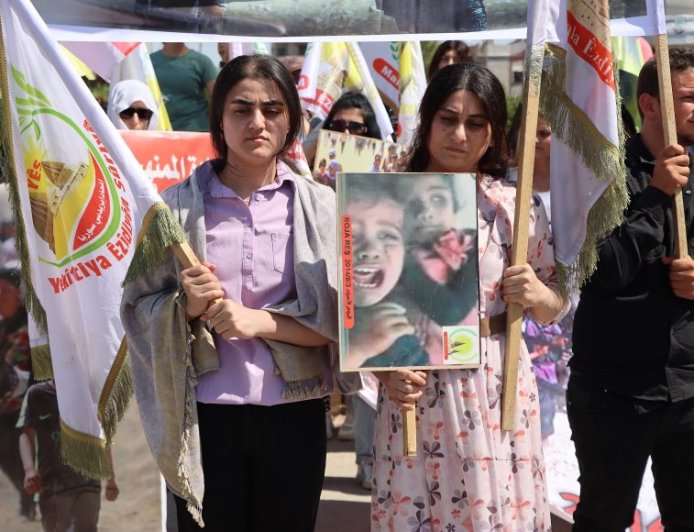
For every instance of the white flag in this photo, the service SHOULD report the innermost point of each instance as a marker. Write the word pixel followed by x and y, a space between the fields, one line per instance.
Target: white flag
pixel 413 83
pixel 383 58
pixel 82 197
pixel 101 57
pixel 571 40
pixel 359 78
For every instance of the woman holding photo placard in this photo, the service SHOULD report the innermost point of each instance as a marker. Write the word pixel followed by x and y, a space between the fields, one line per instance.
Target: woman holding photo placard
pixel 230 357
pixel 468 474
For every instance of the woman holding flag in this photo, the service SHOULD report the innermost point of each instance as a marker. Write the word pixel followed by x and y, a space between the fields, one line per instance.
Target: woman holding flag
pixel 230 357
pixel 468 474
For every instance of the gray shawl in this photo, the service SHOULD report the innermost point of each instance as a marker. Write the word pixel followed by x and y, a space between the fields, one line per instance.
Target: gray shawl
pixel 167 352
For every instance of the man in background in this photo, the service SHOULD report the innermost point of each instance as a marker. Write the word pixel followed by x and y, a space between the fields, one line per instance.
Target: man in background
pixel 68 500
pixel 631 391
pixel 186 79
pixel 15 375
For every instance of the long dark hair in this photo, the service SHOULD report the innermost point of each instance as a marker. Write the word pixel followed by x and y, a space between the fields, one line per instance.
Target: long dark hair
pixel 477 80
pixel 356 100
pixel 462 52
pixel 259 67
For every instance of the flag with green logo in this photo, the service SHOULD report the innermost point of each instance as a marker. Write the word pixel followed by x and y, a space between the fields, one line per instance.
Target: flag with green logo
pixel 81 204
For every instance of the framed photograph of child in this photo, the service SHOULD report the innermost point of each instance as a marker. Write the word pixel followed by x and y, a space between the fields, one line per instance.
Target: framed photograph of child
pixel 408 267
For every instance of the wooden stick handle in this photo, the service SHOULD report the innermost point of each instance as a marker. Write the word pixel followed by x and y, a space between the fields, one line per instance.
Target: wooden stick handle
pixel 185 254
pixel 667 107
pixel 409 433
pixel 519 252
pixel 514 321
pixel 188 258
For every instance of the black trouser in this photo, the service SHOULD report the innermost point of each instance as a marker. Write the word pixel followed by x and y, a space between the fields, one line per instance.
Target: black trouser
pixel 263 466
pixel 614 438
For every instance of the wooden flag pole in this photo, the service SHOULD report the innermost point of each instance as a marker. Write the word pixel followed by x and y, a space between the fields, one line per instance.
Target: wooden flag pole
pixel 667 107
pixel 185 254
pixel 519 253
pixel 409 433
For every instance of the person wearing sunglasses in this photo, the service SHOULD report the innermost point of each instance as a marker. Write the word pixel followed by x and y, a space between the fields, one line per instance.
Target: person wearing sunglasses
pixel 131 106
pixel 352 113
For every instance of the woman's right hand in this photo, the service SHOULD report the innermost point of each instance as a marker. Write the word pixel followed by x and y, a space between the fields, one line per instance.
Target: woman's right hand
pixel 201 287
pixel 404 386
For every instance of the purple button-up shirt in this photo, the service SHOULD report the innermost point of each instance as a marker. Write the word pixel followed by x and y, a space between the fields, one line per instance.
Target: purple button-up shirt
pixel 252 246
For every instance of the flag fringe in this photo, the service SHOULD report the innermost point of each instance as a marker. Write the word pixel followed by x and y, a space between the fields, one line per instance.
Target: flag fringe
pixel 84 453
pixel 159 231
pixel 116 393
pixel 606 214
pixel 41 364
pixel 194 506
pixel 31 300
pixel 571 125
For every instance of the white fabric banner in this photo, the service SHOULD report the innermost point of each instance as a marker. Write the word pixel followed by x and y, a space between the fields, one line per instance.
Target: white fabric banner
pixel 413 83
pixel 322 76
pixel 82 198
pixel 101 57
pixel 359 78
pixel 383 59
pixel 582 30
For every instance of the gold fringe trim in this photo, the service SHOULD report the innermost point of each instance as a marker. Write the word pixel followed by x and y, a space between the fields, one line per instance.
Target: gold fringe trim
pixel 194 506
pixel 31 300
pixel 41 364
pixel 159 231
pixel 533 67
pixel 604 159
pixel 84 453
pixel 115 395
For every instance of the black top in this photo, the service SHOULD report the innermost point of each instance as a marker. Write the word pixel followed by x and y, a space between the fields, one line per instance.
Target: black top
pixel 40 412
pixel 632 335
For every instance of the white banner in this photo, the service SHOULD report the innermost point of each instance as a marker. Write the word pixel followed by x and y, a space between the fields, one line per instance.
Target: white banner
pixel 101 57
pixel 82 197
pixel 383 59
pixel 413 83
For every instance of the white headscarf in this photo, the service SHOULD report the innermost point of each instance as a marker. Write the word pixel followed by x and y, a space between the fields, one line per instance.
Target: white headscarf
pixel 123 94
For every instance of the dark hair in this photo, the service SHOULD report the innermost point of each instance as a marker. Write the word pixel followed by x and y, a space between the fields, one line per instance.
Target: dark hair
pixel 369 189
pixel 680 60
pixel 514 131
pixel 258 67
pixel 513 134
pixel 481 82
pixel 628 123
pixel 403 191
pixel 461 49
pixel 355 100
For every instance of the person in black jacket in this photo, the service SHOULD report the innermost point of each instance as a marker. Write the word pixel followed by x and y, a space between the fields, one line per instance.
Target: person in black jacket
pixel 631 391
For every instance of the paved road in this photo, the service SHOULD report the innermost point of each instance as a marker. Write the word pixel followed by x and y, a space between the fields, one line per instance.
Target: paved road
pixel 344 504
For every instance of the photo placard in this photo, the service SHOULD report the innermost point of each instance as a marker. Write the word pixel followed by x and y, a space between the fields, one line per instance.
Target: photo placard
pixel 409 271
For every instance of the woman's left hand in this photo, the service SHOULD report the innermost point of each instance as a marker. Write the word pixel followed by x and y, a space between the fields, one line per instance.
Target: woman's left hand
pixel 521 285
pixel 231 320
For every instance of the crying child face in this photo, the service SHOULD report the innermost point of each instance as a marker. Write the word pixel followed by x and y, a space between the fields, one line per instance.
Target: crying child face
pixel 378 249
pixel 430 208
